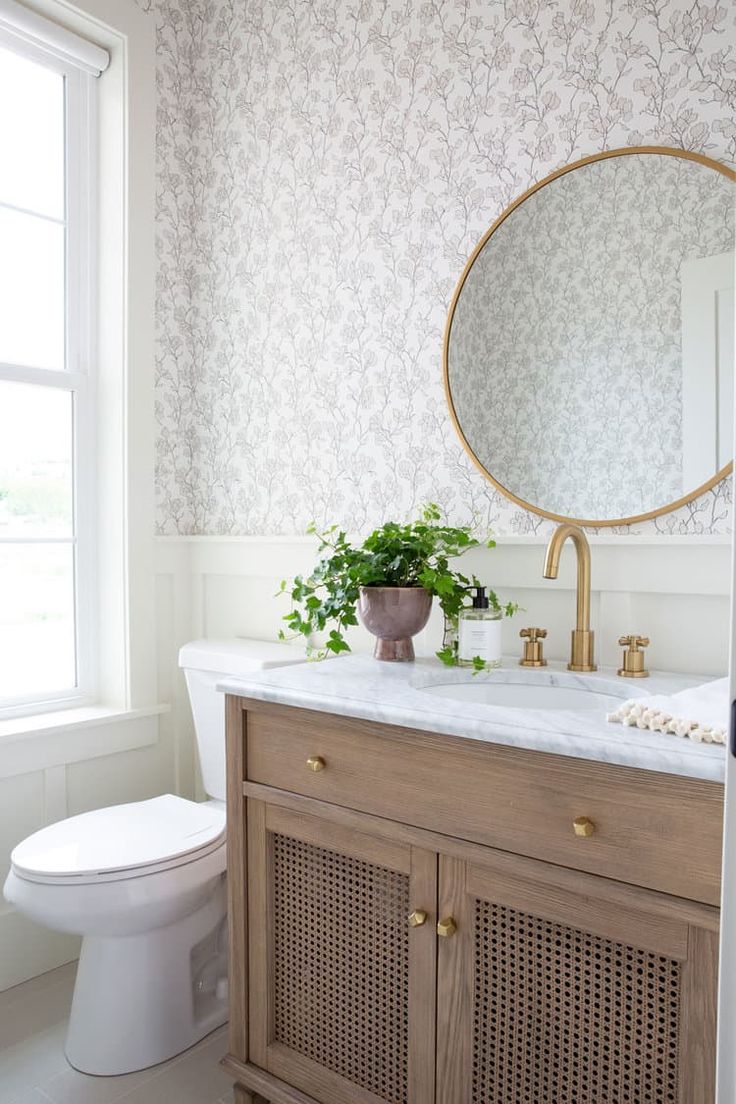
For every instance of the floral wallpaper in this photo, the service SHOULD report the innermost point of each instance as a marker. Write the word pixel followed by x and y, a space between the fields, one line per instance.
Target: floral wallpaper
pixel 324 171
pixel 566 350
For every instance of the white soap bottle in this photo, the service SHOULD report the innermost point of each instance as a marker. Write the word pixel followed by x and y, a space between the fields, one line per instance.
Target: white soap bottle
pixel 479 632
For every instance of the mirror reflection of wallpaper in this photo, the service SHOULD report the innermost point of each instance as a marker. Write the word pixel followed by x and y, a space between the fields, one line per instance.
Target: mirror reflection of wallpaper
pixel 566 347
pixel 324 171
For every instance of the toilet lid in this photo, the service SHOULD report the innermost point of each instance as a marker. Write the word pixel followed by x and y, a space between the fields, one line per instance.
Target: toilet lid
pixel 165 830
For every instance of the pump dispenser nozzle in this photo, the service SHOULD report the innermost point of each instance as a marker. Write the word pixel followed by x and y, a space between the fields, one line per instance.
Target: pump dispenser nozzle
pixel 480 601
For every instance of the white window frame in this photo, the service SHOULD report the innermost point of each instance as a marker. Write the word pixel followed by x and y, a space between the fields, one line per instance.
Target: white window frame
pixel 118 40
pixel 78 376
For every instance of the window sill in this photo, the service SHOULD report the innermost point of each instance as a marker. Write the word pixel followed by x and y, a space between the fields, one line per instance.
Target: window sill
pixel 51 739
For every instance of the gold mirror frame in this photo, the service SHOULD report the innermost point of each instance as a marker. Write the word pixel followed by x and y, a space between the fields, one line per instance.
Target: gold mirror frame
pixel 666 151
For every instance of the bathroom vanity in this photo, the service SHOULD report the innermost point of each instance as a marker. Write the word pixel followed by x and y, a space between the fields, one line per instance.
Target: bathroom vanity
pixel 438 899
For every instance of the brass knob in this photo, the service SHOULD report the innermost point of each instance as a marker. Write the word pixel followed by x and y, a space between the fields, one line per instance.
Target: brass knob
pixel 583 826
pixel 417 918
pixel 446 927
pixel 316 763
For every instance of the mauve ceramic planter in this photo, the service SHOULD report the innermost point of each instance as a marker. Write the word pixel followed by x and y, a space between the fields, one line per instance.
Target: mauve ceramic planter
pixel 394 615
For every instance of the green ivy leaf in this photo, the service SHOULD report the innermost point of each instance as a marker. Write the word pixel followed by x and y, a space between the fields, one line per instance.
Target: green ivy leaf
pixel 336 643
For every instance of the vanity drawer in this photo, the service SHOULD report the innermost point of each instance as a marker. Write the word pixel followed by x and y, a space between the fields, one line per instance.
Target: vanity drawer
pixel 656 830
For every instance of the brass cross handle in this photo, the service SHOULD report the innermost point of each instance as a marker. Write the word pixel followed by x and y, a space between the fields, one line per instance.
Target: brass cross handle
pixel 634 642
pixel 533 634
pixel 533 653
pixel 633 664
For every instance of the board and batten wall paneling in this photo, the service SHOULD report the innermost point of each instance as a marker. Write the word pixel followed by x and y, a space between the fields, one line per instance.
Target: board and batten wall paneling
pixel 83 777
pixel 677 591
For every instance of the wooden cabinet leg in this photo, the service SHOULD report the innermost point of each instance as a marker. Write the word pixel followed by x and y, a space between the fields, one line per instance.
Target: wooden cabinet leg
pixel 242 1096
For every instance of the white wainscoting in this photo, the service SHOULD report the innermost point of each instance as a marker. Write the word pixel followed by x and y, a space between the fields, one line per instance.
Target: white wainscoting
pixel 674 589
pixel 46 778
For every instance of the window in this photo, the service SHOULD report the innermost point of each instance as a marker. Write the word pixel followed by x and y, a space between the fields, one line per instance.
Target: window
pixel 46 376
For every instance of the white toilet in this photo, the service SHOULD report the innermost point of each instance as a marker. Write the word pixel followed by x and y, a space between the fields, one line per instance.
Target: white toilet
pixel 144 884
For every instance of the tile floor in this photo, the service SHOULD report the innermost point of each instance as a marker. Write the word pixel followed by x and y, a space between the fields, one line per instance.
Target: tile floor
pixel 33 1069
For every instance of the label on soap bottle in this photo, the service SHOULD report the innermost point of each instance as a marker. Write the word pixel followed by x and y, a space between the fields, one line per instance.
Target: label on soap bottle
pixel 480 638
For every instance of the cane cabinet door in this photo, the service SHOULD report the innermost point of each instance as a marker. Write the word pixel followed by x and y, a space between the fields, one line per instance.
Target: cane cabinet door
pixel 556 987
pixel 342 959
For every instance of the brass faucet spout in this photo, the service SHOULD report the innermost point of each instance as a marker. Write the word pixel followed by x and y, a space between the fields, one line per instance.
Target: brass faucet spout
pixel 581 658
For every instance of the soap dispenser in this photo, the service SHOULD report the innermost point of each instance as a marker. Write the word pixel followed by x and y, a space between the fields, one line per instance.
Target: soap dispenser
pixel 479 632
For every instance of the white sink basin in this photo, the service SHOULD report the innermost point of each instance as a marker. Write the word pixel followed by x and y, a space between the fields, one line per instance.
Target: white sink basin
pixel 531 690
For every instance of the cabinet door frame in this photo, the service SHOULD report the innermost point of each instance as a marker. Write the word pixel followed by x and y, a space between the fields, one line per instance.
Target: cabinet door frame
pixel 420 865
pixel 650 921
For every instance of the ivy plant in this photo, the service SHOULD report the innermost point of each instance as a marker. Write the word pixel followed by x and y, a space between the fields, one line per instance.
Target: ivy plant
pixel 416 554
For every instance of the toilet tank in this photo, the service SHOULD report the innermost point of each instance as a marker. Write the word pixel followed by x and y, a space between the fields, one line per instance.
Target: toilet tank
pixel 207 662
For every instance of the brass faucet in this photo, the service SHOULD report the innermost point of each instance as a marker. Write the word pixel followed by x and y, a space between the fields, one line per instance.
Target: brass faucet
pixel 581 656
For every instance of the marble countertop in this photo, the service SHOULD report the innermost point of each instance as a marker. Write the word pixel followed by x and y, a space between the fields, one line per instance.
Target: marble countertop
pixel 401 694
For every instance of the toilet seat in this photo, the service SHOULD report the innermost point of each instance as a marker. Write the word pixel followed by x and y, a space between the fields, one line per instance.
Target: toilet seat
pixel 121 842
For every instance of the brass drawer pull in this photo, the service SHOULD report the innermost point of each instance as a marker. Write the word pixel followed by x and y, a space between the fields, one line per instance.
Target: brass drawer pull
pixel 417 918
pixel 583 826
pixel 446 927
pixel 316 763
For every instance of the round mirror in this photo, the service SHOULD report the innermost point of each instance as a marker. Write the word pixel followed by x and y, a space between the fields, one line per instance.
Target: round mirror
pixel 589 350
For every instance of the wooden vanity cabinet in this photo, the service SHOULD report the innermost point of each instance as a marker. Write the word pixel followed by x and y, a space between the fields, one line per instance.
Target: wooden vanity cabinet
pixel 375 961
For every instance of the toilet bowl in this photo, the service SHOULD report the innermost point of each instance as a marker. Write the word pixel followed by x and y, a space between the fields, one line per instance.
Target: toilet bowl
pixel 144 885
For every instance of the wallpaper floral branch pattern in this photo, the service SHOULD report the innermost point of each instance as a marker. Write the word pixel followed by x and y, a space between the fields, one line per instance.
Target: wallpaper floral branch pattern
pixel 324 170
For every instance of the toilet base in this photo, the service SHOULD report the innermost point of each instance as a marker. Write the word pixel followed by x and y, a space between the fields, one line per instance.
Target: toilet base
pixel 140 999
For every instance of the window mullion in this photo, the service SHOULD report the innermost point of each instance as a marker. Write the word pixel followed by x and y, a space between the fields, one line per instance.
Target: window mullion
pixel 38 540
pixel 31 213
pixel 44 377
